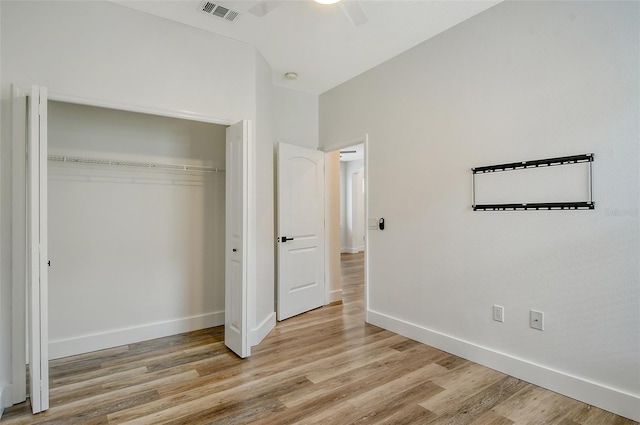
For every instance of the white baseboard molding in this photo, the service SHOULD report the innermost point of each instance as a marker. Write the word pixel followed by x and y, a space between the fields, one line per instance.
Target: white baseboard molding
pixel 351 250
pixel 611 399
pixel 335 296
pixel 263 329
pixel 100 341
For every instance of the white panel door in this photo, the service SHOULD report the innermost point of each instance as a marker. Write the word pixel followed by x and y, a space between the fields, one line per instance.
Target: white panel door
pixel 37 250
pixel 300 229
pixel 237 167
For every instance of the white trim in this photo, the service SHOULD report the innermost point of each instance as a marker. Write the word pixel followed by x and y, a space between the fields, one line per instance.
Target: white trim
pixel 336 146
pixel 130 107
pixel 611 399
pixel 335 296
pixel 99 341
pixel 367 249
pixel 263 329
pixel 145 109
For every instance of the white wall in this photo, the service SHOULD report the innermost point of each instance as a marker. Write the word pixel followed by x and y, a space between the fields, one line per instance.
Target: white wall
pixel 523 80
pixel 295 117
pixel 74 48
pixel 136 254
pixel 352 236
pixel 265 318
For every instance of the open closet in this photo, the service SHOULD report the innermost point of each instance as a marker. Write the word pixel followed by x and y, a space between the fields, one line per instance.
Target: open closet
pixel 136 211
pixel 127 226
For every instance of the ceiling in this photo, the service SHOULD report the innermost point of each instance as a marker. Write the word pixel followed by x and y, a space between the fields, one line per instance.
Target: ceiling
pixel 319 42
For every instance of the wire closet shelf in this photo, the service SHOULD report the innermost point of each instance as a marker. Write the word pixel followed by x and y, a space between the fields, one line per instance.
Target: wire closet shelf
pixel 135 164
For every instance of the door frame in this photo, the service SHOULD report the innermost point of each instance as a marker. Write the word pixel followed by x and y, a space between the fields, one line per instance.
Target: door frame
pixel 335 146
pixel 17 389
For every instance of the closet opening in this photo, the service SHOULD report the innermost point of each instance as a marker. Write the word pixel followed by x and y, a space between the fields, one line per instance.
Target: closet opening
pixel 136 227
pixel 132 209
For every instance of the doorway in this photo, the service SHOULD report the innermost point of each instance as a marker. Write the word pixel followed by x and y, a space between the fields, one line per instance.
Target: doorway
pixel 352 223
pixel 349 207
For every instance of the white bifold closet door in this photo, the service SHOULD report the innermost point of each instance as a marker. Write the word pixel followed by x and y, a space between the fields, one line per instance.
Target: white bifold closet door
pixel 37 261
pixel 236 334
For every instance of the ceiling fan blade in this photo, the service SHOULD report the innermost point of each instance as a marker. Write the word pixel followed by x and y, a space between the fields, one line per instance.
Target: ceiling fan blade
pixel 354 11
pixel 262 8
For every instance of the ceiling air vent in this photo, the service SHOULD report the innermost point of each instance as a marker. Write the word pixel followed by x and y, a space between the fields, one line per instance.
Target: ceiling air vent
pixel 216 9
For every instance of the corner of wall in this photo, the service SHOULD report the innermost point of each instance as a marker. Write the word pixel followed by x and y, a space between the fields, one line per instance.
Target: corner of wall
pixel 263 306
pixel 2 392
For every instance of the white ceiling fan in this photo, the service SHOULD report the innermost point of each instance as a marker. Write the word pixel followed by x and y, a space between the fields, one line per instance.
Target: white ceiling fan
pixel 351 8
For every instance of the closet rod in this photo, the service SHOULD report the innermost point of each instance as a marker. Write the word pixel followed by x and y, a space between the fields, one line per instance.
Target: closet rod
pixel 137 164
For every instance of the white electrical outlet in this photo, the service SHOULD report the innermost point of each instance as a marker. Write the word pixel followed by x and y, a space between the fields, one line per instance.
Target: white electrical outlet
pixel 536 320
pixel 498 313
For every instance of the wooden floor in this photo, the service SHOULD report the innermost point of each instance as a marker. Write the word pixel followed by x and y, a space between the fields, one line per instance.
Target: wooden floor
pixel 322 367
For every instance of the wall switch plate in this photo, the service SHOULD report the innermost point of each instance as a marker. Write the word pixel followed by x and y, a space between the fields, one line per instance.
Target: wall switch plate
pixel 373 224
pixel 498 313
pixel 536 320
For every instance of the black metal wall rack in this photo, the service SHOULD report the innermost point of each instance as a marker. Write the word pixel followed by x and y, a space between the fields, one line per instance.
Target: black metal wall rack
pixel 563 160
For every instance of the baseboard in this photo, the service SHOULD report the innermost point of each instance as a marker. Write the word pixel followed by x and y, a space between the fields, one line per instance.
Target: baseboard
pixel 350 250
pixel 263 329
pixel 335 296
pixel 611 399
pixel 114 338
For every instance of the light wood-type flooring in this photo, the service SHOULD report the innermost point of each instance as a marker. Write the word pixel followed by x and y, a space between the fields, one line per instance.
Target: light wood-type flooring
pixel 323 367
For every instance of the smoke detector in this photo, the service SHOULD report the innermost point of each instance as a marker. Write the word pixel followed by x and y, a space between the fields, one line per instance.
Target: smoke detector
pixel 216 9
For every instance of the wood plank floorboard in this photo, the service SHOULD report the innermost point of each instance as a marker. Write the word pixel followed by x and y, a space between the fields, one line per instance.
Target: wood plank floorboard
pixel 322 367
